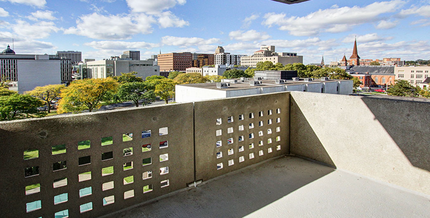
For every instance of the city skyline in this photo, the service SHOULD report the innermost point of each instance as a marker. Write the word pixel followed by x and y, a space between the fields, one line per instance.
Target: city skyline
pixel 104 28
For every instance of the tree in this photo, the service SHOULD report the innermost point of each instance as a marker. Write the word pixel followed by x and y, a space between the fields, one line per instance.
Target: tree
pixel 128 78
pixel 165 89
pixel 174 74
pixel 403 88
pixel 85 94
pixel 338 73
pixel 18 106
pixel 234 73
pixel 356 82
pixel 135 91
pixel 47 93
pixel 375 63
pixel 6 92
pixel 214 78
pixel 4 83
pixel 189 78
pixel 266 65
pixel 425 92
pixel 250 72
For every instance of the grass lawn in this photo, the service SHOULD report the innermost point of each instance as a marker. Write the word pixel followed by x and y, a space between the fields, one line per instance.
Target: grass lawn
pixel 127 137
pixel 145 149
pixel 52 113
pixel 84 144
pixel 128 180
pixel 58 149
pixel 147 188
pixel 128 167
pixel 107 141
pixel 31 154
pixel 107 171
pixel 29 187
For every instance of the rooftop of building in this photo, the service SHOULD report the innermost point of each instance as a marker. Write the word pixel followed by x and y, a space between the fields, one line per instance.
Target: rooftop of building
pixel 372 70
pixel 286 187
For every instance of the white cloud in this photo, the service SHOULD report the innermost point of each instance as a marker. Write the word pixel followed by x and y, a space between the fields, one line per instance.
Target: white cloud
pixel 371 37
pixel 120 45
pixel 185 42
pixel 112 27
pixel 242 46
pixel 331 19
pixel 248 20
pixel 168 19
pixel 151 6
pixel 299 43
pixel 250 35
pixel 24 44
pixel 37 3
pixel 42 15
pixel 383 24
pixel 3 13
pixel 34 31
pixel 422 11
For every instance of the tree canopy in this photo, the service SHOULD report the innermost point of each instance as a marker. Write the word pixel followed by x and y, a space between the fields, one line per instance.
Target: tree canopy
pixel 189 78
pixel 85 94
pixel 18 106
pixel 136 91
pixel 403 88
pixel 6 92
pixel 47 93
pixel 375 63
pixel 356 82
pixel 234 73
pixel 174 74
pixel 214 78
pixel 165 89
pixel 128 78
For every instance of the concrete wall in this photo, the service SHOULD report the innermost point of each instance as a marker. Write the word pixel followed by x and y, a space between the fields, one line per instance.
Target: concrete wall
pixel 380 138
pixel 41 134
pixel 298 87
pixel 345 87
pixel 243 92
pixel 234 117
pixel 314 87
pixel 32 73
pixel 331 87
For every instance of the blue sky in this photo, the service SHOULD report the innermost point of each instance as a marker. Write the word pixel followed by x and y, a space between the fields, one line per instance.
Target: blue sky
pixel 104 28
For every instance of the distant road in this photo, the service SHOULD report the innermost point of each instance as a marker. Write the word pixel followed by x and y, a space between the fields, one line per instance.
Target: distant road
pixel 128 104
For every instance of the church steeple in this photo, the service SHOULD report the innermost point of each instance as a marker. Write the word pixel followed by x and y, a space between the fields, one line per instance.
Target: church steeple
pixel 322 61
pixel 355 59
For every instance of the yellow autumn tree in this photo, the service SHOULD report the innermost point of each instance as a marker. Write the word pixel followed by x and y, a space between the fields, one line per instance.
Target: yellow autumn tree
pixel 165 89
pixel 85 94
pixel 189 78
pixel 46 93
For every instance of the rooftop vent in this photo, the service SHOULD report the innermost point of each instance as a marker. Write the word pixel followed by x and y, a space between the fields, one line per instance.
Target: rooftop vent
pixel 308 79
pixel 222 85
pixel 296 79
pixel 280 81
pixel 255 83
pixel 232 81
pixel 324 78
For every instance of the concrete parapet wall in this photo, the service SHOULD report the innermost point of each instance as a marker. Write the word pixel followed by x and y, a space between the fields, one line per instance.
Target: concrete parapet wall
pixel 380 138
pixel 41 134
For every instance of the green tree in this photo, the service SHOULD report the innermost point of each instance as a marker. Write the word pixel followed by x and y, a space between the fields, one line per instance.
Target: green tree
pixel 356 82
pixel 214 78
pixel 18 106
pixel 425 92
pixel 165 89
pixel 128 78
pixel 174 74
pixel 250 72
pixel 266 65
pixel 135 91
pixel 189 78
pixel 234 73
pixel 47 93
pixel 403 88
pixel 85 94
pixel 4 83
pixel 6 92
pixel 375 63
pixel 338 73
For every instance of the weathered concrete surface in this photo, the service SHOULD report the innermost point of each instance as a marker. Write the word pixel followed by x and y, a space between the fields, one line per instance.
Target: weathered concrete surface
pixel 383 139
pixel 287 187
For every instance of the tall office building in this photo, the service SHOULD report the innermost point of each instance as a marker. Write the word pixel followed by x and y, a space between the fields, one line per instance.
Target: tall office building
pixel 134 55
pixel 175 61
pixel 74 56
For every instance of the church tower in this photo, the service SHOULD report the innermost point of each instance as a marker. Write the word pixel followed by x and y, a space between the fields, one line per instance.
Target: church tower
pixel 354 59
pixel 344 62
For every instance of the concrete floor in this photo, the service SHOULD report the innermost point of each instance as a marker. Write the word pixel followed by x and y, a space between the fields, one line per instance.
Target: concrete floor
pixel 287 187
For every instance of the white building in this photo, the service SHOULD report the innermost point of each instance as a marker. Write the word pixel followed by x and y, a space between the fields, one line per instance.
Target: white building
pixel 28 70
pixel 414 74
pixel 235 88
pixel 109 68
pixel 267 53
pixel 213 71
pixel 194 70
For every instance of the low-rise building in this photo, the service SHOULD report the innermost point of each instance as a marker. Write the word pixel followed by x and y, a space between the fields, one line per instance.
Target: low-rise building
pixel 242 87
pixel 109 68
pixel 414 74
pixel 213 71
pixel 267 53
pixel 194 70
pixel 373 76
pixel 27 71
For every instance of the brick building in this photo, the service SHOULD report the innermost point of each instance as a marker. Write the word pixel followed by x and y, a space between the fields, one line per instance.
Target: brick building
pixel 175 61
